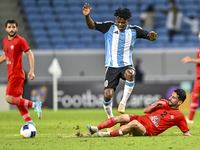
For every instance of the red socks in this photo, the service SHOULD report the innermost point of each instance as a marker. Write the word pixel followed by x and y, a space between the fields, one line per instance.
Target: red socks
pixel 24 112
pixel 22 102
pixel 107 124
pixel 193 106
pixel 116 133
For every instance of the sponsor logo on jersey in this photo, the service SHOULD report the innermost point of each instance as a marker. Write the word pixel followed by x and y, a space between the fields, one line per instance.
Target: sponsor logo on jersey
pixel 155 120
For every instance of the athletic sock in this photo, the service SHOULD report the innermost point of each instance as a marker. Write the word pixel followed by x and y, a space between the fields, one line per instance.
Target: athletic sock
pixel 193 106
pixel 24 113
pixel 128 88
pixel 116 133
pixel 108 108
pixel 107 124
pixel 22 102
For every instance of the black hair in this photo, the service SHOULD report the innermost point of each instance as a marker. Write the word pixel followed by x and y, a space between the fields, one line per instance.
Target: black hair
pixel 124 13
pixel 11 21
pixel 181 94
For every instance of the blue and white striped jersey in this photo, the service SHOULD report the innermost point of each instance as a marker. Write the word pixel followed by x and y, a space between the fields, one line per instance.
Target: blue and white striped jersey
pixel 119 44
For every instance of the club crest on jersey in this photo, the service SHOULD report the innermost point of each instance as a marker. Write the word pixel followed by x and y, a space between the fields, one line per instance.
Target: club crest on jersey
pixel 12 47
pixel 172 117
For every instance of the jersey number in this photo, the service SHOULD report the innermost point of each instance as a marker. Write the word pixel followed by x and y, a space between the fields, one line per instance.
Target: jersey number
pixel 165 113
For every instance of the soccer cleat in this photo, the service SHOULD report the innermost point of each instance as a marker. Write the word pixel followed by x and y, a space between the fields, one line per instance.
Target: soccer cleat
pixel 92 129
pixel 31 122
pixel 189 121
pixel 38 109
pixel 121 108
pixel 110 129
pixel 103 134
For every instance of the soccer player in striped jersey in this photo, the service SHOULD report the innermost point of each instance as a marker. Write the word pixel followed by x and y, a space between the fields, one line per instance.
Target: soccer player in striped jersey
pixel 196 87
pixel 160 116
pixel 119 42
pixel 14 46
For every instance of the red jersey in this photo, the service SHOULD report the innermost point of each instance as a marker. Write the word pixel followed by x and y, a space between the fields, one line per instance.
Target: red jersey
pixel 14 49
pixel 164 117
pixel 198 65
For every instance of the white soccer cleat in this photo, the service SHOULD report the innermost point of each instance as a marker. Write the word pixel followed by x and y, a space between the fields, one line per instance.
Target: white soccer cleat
pixel 189 121
pixel 121 108
pixel 92 129
pixel 103 134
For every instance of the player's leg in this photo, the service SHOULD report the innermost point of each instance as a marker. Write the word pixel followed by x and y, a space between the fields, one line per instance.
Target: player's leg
pixel 122 119
pixel 14 94
pixel 135 127
pixel 128 88
pixel 194 101
pixel 112 78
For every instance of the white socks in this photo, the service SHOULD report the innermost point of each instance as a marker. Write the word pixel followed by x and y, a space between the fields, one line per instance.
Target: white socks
pixel 128 88
pixel 108 109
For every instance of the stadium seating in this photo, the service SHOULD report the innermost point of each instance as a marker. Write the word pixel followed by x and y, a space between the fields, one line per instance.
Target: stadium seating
pixel 59 24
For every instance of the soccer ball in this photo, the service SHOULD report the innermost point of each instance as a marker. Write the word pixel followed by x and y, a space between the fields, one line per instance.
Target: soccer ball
pixel 28 131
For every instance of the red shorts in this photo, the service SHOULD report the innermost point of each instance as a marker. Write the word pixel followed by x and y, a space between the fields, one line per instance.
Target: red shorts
pixel 146 123
pixel 196 86
pixel 15 87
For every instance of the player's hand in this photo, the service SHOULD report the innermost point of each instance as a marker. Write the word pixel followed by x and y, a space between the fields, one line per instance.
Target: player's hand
pixel 86 9
pixel 31 75
pixel 160 103
pixel 152 36
pixel 186 59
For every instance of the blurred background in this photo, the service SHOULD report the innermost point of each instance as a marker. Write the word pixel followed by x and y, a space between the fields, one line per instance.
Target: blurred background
pixel 57 29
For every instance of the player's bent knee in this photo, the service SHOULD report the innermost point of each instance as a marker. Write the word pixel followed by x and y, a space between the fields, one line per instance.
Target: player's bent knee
pixel 9 99
pixel 134 124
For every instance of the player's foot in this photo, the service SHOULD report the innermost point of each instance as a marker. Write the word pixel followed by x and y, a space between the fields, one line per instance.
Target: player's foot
pixel 92 129
pixel 103 134
pixel 110 129
pixel 31 122
pixel 189 121
pixel 38 109
pixel 121 108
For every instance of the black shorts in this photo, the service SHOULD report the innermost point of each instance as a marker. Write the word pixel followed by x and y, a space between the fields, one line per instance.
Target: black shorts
pixel 113 76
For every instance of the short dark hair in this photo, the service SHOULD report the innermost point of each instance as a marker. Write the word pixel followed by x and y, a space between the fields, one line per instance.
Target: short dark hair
pixel 11 21
pixel 124 13
pixel 181 94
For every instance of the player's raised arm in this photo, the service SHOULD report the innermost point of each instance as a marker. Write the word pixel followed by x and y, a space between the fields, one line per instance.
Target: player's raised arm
pixel 152 36
pixel 188 59
pixel 86 12
pixel 3 58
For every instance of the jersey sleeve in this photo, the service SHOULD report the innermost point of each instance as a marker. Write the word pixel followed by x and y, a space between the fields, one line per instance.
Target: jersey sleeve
pixel 140 33
pixel 103 26
pixel 182 124
pixel 24 45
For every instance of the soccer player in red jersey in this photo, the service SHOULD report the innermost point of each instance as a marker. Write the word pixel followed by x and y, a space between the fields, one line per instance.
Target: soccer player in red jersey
pixel 196 87
pixel 160 116
pixel 14 46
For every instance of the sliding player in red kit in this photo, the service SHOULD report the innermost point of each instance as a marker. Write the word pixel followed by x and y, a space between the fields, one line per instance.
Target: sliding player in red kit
pixel 160 116
pixel 14 46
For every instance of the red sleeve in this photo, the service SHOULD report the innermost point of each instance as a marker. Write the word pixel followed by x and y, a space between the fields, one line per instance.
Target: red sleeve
pixel 182 124
pixel 24 45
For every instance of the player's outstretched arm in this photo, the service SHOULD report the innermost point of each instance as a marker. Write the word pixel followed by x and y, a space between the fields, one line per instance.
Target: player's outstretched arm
pixel 86 12
pixel 30 55
pixel 188 59
pixel 3 58
pixel 152 36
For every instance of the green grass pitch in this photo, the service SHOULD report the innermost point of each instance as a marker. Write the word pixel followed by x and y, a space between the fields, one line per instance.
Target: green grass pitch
pixel 66 129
